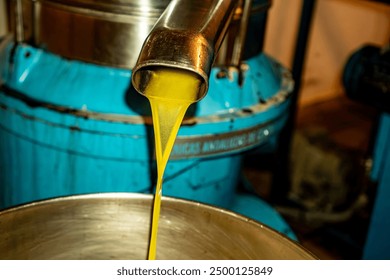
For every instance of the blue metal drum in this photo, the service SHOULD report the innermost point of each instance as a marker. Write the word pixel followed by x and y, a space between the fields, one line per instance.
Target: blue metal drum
pixel 71 127
pixel 67 128
pixel 377 245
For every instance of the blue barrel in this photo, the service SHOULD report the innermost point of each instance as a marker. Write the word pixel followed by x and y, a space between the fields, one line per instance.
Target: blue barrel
pixel 69 127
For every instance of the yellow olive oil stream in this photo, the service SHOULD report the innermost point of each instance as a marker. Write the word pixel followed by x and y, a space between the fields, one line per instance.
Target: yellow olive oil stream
pixel 170 93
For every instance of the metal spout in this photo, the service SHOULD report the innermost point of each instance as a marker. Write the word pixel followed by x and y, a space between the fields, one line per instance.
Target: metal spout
pixel 187 36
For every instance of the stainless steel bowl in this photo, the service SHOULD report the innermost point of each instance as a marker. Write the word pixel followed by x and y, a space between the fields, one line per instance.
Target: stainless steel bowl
pixel 116 226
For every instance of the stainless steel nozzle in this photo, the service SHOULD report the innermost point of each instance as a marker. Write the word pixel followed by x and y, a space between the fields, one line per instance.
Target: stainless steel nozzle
pixel 187 36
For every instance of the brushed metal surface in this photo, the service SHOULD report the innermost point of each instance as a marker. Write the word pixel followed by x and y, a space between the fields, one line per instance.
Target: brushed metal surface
pixel 116 226
pixel 110 32
pixel 187 36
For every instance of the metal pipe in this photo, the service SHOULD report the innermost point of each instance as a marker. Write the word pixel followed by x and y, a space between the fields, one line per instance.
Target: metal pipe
pixel 241 36
pixel 281 180
pixel 187 36
pixel 19 33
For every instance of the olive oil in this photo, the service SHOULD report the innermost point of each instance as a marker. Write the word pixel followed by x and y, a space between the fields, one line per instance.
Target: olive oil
pixel 170 93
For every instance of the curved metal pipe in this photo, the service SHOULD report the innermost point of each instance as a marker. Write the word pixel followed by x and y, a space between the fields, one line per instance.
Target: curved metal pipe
pixel 187 36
